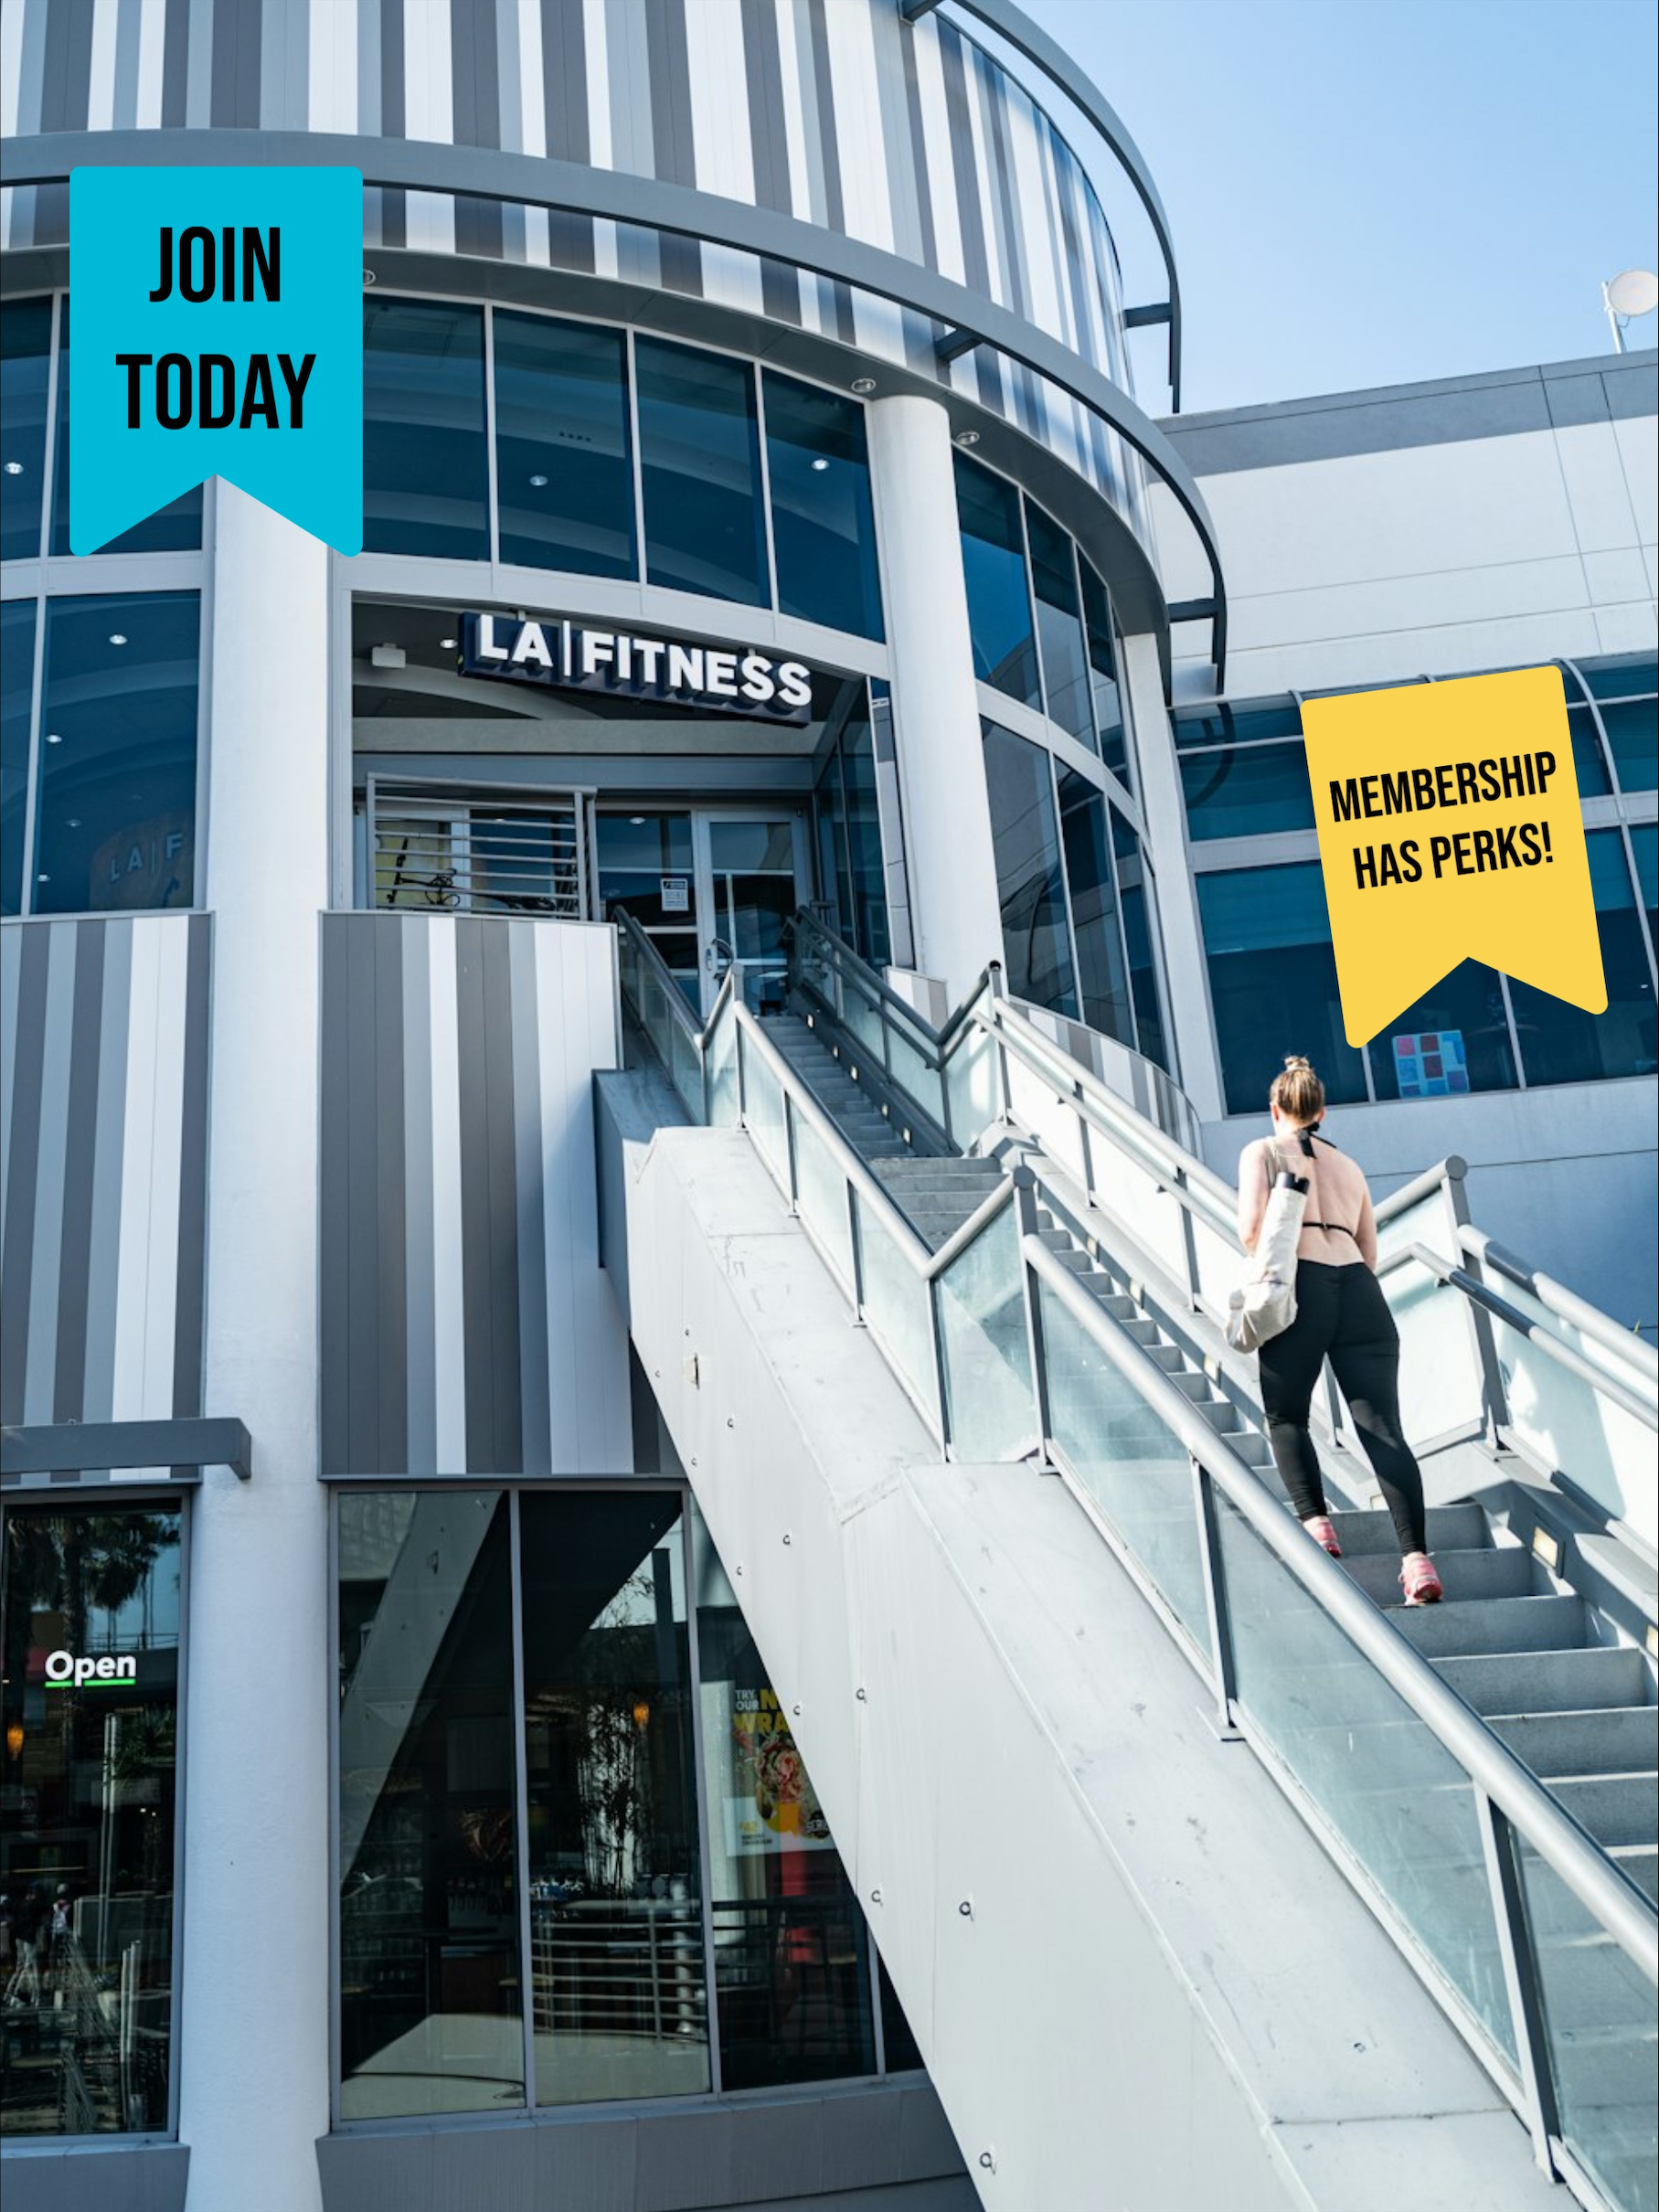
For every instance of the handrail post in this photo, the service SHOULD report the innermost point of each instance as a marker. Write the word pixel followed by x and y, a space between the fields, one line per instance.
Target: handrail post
pixel 936 1337
pixel 1215 1602
pixel 1495 1394
pixel 994 977
pixel 1036 1351
pixel 789 1151
pixel 854 1244
pixel 1499 1849
pixel 1189 1238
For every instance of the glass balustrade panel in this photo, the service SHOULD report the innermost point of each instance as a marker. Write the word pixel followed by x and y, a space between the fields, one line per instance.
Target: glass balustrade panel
pixel 763 1111
pixel 1127 1460
pixel 991 1409
pixel 896 1307
pixel 1220 1266
pixel 914 1072
pixel 720 1053
pixel 687 1064
pixel 974 1083
pixel 820 1195
pixel 1569 1424
pixel 1396 1800
pixel 1050 1116
pixel 1139 1197
pixel 1439 1368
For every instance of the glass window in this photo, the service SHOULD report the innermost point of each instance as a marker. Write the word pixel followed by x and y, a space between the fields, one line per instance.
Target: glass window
pixel 1589 766
pixel 429 1965
pixel 1248 724
pixel 1060 619
pixel 25 346
pixel 1455 1039
pixel 1103 977
pixel 903 2053
pixel 115 828
pixel 823 524
pixel 999 605
pixel 1138 923
pixel 617 1987
pixel 645 867
pixel 1273 979
pixel 1036 942
pixel 870 937
pixel 1111 721
pixel 1247 790
pixel 564 459
pixel 177 527
pixel 425 474
pixel 1633 736
pixel 1621 675
pixel 90 1622
pixel 1561 1043
pixel 834 871
pixel 791 1963
pixel 17 688
pixel 700 459
pixel 1644 843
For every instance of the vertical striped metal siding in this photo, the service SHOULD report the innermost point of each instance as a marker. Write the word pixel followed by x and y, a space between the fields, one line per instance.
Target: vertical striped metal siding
pixel 104 1145
pixel 466 1327
pixel 908 136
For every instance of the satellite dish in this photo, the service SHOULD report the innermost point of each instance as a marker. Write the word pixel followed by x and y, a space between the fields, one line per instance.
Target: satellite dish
pixel 1635 293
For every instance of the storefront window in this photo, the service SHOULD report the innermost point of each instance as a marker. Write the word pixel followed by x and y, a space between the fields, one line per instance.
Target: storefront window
pixel 90 1622
pixel 17 685
pixel 1247 790
pixel 1563 1044
pixel 645 867
pixel 1454 1039
pixel 999 604
pixel 1138 923
pixel 26 346
pixel 1037 945
pixel 1644 845
pixel 431 1973
pixel 425 475
pixel 115 828
pixel 824 526
pixel 792 1962
pixel 1109 711
pixel 564 463
pixel 1059 621
pixel 700 459
pixel 177 527
pixel 1589 766
pixel 1102 977
pixel 1272 980
pixel 1633 736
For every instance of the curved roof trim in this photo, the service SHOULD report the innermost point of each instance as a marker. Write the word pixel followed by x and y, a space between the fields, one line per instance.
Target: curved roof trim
pixel 1028 39
pixel 536 181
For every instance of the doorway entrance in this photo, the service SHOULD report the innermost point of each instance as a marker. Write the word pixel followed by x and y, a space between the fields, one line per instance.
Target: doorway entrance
pixel 709 885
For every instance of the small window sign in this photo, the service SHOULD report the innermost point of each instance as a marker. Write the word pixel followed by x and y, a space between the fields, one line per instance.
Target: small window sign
pixel 1430 1063
pixel 677 895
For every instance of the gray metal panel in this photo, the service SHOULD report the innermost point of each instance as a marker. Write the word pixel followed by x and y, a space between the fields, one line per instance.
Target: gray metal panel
pixel 68 1447
pixel 333 1236
pixel 1575 400
pixel 142 2177
pixel 1632 387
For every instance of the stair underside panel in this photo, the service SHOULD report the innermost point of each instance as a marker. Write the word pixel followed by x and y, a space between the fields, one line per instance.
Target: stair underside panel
pixel 1164 1993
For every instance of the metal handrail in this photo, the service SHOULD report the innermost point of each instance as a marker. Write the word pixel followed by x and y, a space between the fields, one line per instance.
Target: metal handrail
pixel 1565 1305
pixel 1490 1764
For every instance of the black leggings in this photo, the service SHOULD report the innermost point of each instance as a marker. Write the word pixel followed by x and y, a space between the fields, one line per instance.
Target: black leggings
pixel 1341 1313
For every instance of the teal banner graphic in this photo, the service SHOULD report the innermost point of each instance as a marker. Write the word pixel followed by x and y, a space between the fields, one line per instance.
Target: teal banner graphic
pixel 217 332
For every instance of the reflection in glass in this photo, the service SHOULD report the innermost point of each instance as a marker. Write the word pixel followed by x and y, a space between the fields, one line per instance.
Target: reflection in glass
pixel 1139 922
pixel 1109 709
pixel 425 476
pixel 1060 619
pixel 1247 790
pixel 564 465
pixel 645 869
pixel 1633 736
pixel 1454 1039
pixel 115 828
pixel 1036 942
pixel 177 527
pixel 429 1966
pixel 25 345
pixel 1563 1044
pixel 1289 1002
pixel 17 685
pixel 700 461
pixel 1644 846
pixel 1589 763
pixel 870 937
pixel 617 1983
pixel 994 560
pixel 87 1831
pixel 792 1966
pixel 823 524
pixel 1102 977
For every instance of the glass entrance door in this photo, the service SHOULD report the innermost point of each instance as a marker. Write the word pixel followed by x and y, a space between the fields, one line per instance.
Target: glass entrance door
pixel 750 878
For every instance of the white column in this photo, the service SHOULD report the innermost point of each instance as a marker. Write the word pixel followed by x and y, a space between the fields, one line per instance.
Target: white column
pixel 947 814
pixel 253 2014
pixel 1163 811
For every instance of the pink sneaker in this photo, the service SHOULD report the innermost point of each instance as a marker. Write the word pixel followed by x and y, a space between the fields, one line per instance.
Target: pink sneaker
pixel 1419 1579
pixel 1324 1535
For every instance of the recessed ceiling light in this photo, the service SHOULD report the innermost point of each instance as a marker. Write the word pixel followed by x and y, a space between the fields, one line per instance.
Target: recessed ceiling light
pixel 118 637
pixel 54 736
pixel 446 644
pixel 636 821
pixel 864 384
pixel 538 481
pixel 368 276
pixel 74 821
pixel 43 879
pixel 14 468
pixel 967 437
pixel 821 463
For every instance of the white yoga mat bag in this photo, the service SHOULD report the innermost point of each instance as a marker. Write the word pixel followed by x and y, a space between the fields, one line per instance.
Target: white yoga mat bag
pixel 1264 1304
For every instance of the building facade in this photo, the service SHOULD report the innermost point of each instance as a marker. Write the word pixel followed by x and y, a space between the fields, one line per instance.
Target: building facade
pixel 758 514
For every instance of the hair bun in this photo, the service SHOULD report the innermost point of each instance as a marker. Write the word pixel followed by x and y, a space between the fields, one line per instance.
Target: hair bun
pixel 1295 1060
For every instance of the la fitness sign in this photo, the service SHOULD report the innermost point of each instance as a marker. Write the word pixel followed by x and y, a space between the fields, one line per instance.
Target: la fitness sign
pixel 719 679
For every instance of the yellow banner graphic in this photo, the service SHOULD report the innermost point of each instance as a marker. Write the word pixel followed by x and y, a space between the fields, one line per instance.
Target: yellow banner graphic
pixel 1449 829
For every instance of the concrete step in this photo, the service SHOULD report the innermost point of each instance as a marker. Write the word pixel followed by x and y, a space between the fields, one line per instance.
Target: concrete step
pixel 1466 1575
pixel 1640 1862
pixel 1615 1808
pixel 1450 1528
pixel 1606 1741
pixel 1456 1628
pixel 1591 1676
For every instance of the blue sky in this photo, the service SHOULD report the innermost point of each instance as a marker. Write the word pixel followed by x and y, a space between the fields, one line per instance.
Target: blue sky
pixel 1375 191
